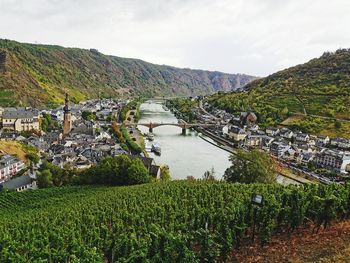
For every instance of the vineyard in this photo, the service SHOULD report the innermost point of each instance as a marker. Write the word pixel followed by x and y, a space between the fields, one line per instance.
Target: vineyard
pixel 164 222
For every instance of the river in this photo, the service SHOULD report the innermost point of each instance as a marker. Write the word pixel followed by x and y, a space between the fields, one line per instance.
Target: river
pixel 186 155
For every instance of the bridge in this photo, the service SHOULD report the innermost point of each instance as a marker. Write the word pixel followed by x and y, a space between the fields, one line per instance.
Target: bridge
pixel 183 125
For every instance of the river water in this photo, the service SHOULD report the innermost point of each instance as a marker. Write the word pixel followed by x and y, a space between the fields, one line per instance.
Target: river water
pixel 186 155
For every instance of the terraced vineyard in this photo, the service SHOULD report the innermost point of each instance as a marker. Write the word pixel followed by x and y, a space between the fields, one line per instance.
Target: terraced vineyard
pixel 319 87
pixel 170 222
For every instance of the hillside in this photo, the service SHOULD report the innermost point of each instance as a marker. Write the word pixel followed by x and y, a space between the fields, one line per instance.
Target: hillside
pixel 160 222
pixel 319 87
pixel 40 74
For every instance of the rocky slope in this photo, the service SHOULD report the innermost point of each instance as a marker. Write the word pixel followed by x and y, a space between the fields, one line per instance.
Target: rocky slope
pixel 39 75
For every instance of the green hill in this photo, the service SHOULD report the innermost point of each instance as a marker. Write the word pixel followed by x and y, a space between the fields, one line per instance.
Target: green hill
pixel 40 75
pixel 319 87
pixel 159 222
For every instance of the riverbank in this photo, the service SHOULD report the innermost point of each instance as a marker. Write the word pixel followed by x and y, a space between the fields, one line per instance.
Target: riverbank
pixel 225 148
pixel 296 178
pixel 222 144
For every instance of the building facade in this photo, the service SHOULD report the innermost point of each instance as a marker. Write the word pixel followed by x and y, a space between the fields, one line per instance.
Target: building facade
pixel 334 159
pixel 9 166
pixel 20 119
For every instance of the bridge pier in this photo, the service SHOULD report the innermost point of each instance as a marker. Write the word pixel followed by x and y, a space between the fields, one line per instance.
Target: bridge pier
pixel 183 131
pixel 150 130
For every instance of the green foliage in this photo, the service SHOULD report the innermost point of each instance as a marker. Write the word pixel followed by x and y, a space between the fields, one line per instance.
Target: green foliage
pixel 120 170
pixel 251 167
pixel 50 71
pixel 321 87
pixel 132 105
pixel 337 125
pixel 165 175
pixel 88 115
pixel 48 124
pixel 209 175
pixel 59 176
pixel 44 179
pixel 133 146
pixel 170 222
pixel 184 108
pixel 31 152
pixel 116 130
pixel 137 173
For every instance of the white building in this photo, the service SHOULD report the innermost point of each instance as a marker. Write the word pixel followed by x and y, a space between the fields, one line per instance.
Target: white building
pixel 236 133
pixel 20 119
pixel 334 159
pixel 9 166
pixel 20 184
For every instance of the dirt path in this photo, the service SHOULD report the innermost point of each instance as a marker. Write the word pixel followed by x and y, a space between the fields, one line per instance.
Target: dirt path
pixel 329 245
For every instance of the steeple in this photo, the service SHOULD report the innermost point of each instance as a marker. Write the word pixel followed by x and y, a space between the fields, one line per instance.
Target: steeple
pixel 67 122
pixel 66 106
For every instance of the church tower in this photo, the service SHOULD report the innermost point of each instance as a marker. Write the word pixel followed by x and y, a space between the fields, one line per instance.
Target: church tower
pixel 67 121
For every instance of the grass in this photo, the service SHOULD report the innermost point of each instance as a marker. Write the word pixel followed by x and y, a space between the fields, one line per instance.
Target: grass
pixel 13 148
pixel 321 126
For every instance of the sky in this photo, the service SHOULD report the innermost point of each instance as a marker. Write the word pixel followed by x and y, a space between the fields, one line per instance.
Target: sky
pixel 256 37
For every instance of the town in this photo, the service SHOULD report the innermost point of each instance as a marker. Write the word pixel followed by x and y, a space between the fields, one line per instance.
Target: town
pixel 319 158
pixel 81 135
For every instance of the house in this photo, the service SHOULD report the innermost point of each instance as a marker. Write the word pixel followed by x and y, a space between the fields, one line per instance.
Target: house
pixel 236 133
pixel 9 166
pixel 278 149
pixel 286 133
pixel 322 141
pixel 272 131
pixel 155 171
pixel 57 115
pixel 7 136
pixel 20 119
pixel 19 184
pixel 302 137
pixel 266 141
pixel 340 143
pixel 247 118
pixel 305 157
pixel 82 163
pixel 333 159
pixel 253 140
pixel 53 136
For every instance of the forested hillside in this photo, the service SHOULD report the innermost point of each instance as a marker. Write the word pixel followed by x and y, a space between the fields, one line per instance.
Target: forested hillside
pixel 160 222
pixel 318 87
pixel 41 74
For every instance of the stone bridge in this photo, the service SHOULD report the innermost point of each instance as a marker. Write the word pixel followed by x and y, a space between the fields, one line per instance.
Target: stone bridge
pixel 183 125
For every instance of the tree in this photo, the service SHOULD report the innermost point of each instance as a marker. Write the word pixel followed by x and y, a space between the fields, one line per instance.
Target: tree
pixel 137 173
pixel 251 167
pixel 337 125
pixel 120 170
pixel 88 115
pixel 116 129
pixel 209 175
pixel 165 173
pixel 33 157
pixel 44 179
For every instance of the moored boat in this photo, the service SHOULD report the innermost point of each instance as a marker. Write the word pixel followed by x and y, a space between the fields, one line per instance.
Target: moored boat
pixel 150 136
pixel 156 149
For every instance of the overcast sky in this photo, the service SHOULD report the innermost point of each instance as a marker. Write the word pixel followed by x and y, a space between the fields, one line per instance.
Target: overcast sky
pixel 256 37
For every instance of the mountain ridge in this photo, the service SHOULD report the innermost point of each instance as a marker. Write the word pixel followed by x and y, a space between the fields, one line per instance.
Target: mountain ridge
pixel 37 75
pixel 319 87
